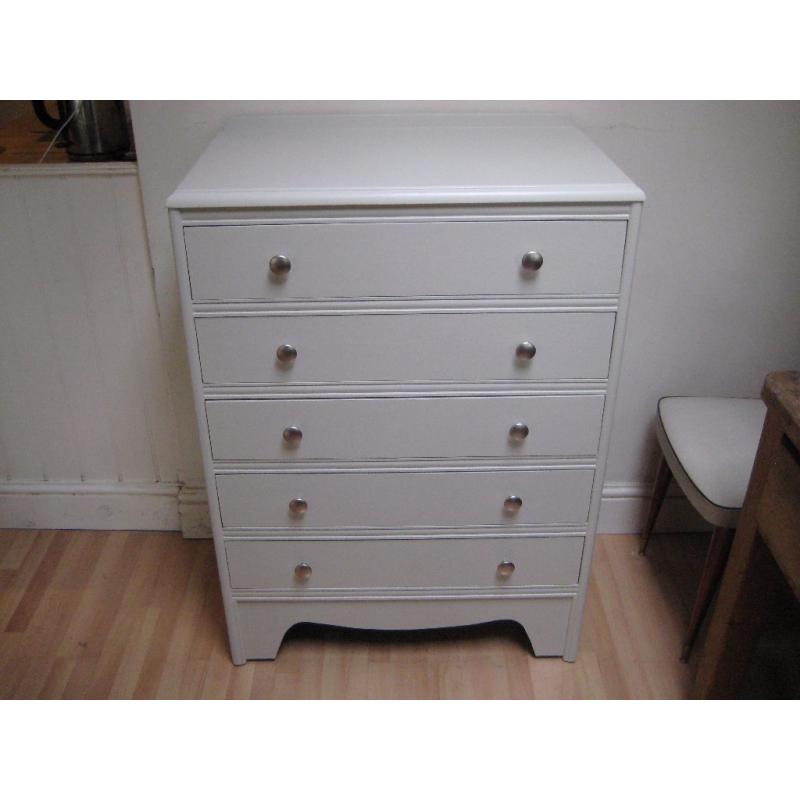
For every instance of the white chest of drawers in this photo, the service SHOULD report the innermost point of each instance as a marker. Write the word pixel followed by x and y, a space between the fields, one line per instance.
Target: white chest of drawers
pixel 405 335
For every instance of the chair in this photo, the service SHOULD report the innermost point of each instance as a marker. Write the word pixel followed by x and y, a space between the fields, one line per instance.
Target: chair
pixel 708 444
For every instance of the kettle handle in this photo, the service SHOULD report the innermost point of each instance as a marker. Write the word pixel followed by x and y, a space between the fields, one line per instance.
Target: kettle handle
pixel 40 109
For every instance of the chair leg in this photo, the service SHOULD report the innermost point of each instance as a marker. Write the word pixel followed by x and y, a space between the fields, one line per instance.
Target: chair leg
pixel 716 558
pixel 663 477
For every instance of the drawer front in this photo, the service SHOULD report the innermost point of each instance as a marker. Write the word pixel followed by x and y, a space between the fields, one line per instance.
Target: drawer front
pixel 390 428
pixel 404 563
pixel 395 499
pixel 341 347
pixel 404 259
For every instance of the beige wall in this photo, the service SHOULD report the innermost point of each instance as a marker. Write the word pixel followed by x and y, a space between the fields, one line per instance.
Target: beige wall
pixel 715 299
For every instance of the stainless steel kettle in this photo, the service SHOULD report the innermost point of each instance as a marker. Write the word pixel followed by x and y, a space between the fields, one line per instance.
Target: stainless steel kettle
pixel 94 130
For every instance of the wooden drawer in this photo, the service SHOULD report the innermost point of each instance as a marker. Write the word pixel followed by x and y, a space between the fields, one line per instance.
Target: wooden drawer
pixel 407 347
pixel 405 563
pixel 366 429
pixel 404 259
pixel 398 499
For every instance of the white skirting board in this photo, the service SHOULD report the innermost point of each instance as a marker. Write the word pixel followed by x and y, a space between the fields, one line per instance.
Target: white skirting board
pixel 105 506
pixel 623 509
pixel 170 507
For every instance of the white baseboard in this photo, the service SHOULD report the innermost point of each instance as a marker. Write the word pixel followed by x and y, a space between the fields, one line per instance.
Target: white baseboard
pixel 624 507
pixel 193 511
pixel 92 506
pixel 171 507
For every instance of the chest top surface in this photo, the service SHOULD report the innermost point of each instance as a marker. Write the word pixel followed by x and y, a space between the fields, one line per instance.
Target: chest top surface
pixel 400 159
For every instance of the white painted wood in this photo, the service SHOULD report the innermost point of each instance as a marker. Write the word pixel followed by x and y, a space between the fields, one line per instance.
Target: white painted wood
pixel 193 512
pixel 405 347
pixel 83 396
pixel 405 563
pixel 234 632
pixel 380 159
pixel 69 170
pixel 89 505
pixel 396 259
pixel 264 621
pixel 427 348
pixel 397 500
pixel 371 428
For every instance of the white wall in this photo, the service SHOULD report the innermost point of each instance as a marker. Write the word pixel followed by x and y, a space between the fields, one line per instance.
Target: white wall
pixel 718 276
pixel 86 422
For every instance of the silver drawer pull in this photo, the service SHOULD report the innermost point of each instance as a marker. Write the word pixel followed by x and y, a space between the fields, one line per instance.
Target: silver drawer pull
pixel 505 569
pixel 517 432
pixel 298 507
pixel 286 354
pixel 526 351
pixel 532 262
pixel 292 435
pixel 303 571
pixel 512 504
pixel 280 265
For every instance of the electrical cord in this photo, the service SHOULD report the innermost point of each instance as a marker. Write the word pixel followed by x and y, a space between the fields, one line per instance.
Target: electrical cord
pixel 58 132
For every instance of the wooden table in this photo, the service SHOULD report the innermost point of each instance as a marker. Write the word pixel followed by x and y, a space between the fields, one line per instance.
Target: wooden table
pixel 766 547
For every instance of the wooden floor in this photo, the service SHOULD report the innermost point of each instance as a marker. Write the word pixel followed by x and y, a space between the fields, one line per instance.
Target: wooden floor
pixel 139 615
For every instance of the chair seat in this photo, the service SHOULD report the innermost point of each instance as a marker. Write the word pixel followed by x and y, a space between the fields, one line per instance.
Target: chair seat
pixel 710 444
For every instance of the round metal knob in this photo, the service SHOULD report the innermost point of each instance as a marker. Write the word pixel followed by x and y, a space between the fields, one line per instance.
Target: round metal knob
pixel 518 431
pixel 298 507
pixel 280 266
pixel 512 504
pixel 505 569
pixel 303 571
pixel 526 351
pixel 286 354
pixel 532 262
pixel 292 435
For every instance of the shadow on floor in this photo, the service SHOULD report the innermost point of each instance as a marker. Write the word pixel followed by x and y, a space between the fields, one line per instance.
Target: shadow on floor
pixel 502 629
